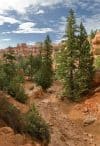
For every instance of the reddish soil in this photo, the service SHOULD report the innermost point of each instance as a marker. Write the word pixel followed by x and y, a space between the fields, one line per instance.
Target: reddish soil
pixel 66 119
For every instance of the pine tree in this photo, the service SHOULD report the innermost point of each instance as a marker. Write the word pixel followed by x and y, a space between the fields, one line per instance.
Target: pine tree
pixel 75 61
pixel 92 34
pixel 9 65
pixel 84 73
pixel 44 75
pixel 66 60
pixel 91 37
pixel 34 63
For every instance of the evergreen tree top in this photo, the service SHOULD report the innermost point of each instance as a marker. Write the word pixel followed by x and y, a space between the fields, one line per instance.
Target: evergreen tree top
pixel 47 39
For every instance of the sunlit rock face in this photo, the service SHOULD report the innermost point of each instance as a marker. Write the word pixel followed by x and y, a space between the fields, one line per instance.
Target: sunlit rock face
pixel 96 44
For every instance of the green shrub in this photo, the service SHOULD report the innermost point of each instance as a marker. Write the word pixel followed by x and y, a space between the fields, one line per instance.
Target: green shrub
pixel 17 91
pixel 43 78
pixel 19 78
pixel 34 63
pixel 20 95
pixel 23 64
pixel 11 78
pixel 36 126
pixel 97 62
pixel 11 115
pixel 3 80
pixel 30 123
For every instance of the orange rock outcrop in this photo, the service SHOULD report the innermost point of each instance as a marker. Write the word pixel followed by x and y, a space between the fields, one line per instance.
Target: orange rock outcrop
pixel 25 50
pixel 96 44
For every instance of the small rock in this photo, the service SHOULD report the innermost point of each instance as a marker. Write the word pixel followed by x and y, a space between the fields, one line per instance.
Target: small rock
pixel 6 130
pixel 97 89
pixel 89 120
pixel 86 110
pixel 90 135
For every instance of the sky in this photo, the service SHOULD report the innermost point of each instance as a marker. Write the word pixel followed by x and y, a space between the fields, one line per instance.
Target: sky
pixel 29 21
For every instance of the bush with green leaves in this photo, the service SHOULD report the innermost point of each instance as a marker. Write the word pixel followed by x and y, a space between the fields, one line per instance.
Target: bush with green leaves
pixel 17 91
pixel 11 78
pixel 97 62
pixel 30 123
pixel 43 77
pixel 4 82
pixel 19 78
pixel 36 126
pixel 34 63
pixel 11 115
pixel 23 64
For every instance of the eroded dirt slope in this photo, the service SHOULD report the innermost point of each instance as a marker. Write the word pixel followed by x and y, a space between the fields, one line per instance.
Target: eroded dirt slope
pixel 66 120
pixel 65 131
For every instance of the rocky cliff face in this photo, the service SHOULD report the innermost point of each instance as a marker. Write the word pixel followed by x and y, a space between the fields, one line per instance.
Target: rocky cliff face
pixel 22 50
pixel 26 50
pixel 96 44
pixel 96 52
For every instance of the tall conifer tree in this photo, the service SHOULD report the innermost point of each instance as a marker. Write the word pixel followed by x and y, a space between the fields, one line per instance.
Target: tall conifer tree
pixel 45 73
pixel 75 61
pixel 66 60
pixel 84 72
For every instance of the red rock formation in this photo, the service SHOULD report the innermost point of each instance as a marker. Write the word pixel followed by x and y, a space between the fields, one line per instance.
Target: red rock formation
pixel 96 44
pixel 21 50
pixel 25 50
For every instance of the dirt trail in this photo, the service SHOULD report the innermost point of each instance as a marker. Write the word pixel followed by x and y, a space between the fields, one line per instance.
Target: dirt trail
pixel 65 119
